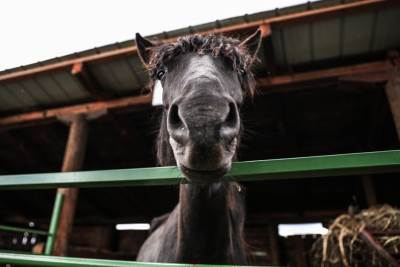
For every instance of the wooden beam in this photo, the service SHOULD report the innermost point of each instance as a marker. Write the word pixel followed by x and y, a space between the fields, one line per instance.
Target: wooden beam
pixel 265 30
pixel 229 29
pixel 88 81
pixel 393 95
pixel 366 77
pixel 340 72
pixel 264 84
pixel 77 109
pixel 73 161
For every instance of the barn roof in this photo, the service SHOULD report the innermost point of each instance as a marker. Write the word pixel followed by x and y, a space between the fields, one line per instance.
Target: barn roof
pixel 303 37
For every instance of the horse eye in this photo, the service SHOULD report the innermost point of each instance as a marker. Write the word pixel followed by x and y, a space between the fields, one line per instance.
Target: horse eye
pixel 242 71
pixel 160 74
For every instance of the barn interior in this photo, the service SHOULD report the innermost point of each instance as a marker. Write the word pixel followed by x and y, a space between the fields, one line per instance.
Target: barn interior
pixel 321 89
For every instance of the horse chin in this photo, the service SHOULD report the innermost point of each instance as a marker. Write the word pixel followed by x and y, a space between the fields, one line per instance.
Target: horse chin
pixel 204 176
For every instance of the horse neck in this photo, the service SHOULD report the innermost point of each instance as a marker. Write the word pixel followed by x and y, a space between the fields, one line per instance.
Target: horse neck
pixel 211 217
pixel 210 227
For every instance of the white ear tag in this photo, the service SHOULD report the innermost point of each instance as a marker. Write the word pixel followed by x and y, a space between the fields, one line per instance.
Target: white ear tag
pixel 157 94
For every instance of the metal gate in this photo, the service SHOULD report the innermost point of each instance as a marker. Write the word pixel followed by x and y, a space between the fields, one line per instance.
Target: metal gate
pixel 290 168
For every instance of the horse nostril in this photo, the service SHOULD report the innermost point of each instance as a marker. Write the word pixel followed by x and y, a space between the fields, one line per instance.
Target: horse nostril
pixel 232 118
pixel 230 127
pixel 173 117
pixel 176 126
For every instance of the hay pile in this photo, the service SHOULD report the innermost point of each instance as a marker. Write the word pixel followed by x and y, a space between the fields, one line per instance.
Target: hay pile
pixel 346 242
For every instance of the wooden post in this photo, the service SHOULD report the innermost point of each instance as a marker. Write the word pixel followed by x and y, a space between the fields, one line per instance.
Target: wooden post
pixel 299 251
pixel 393 95
pixel 273 244
pixel 369 190
pixel 73 160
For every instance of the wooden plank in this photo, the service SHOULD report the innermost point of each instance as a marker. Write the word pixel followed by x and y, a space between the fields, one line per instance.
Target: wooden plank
pixel 244 26
pixel 73 161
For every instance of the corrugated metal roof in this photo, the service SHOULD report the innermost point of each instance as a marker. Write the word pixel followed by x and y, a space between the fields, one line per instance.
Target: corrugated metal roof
pixel 344 36
pixel 293 44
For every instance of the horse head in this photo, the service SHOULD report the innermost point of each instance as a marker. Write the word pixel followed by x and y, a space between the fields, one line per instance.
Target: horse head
pixel 205 79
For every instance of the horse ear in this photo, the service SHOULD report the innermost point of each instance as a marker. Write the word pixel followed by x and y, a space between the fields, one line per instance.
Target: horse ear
pixel 143 46
pixel 253 43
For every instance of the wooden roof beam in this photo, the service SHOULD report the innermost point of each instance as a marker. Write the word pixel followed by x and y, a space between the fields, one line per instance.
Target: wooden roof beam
pixel 88 81
pixel 265 30
pixel 346 72
pixel 264 84
pixel 93 107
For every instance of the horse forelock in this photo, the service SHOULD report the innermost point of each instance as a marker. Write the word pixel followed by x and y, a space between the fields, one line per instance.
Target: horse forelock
pixel 216 45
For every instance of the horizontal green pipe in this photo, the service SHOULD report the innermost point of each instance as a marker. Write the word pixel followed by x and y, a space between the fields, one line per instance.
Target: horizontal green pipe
pixel 36 260
pixel 9 251
pixel 304 167
pixel 22 230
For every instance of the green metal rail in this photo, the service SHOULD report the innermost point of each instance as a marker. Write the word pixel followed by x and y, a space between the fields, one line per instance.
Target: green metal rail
pixel 304 167
pixel 36 260
pixel 55 217
pixel 291 168
pixel 22 230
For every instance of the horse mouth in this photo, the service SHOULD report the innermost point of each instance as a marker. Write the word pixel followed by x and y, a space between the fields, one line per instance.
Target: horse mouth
pixel 204 176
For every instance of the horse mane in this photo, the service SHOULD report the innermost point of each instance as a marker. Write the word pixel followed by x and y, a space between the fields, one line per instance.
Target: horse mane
pixel 164 153
pixel 216 45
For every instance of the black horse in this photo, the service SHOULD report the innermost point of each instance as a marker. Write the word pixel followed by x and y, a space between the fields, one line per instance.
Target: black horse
pixel 205 79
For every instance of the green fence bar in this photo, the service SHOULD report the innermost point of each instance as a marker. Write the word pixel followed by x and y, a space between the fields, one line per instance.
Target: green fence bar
pixel 55 217
pixel 9 251
pixel 304 167
pixel 36 260
pixel 22 230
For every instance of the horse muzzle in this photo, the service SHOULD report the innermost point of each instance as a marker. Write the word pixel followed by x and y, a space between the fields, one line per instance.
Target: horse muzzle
pixel 203 134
